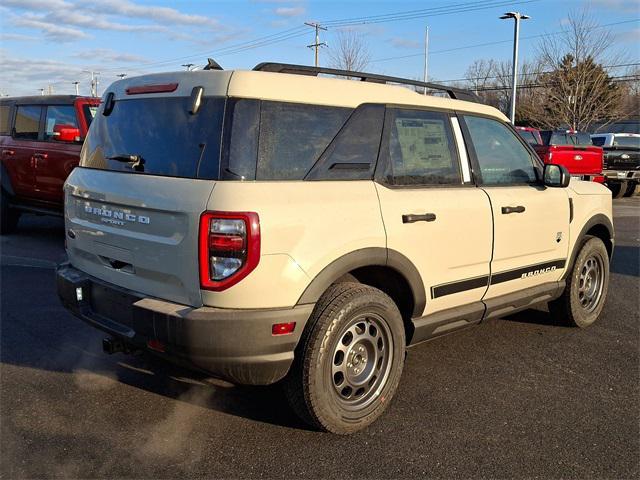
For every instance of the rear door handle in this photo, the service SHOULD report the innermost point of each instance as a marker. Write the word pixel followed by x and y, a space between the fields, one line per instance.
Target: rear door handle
pixel 8 152
pixel 507 210
pixel 425 217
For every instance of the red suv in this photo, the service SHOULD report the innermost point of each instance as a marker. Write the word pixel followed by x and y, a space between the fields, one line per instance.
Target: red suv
pixel 40 142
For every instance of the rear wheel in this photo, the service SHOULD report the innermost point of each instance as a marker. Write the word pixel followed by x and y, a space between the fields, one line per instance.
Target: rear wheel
pixel 8 216
pixel 587 285
pixel 349 361
pixel 618 189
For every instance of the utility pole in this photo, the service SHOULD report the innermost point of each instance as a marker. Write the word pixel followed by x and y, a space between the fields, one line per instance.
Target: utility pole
pixel 188 66
pixel 77 88
pixel 517 16
pixel 94 82
pixel 426 57
pixel 317 44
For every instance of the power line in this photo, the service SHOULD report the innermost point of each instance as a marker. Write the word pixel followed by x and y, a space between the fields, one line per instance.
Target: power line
pixel 428 12
pixel 618 79
pixel 486 44
pixel 528 74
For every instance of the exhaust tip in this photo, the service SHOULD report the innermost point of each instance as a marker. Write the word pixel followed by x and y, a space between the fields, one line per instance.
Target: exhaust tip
pixel 112 345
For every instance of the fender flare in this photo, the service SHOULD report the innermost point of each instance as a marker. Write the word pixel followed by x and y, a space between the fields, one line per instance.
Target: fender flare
pixel 367 257
pixel 598 219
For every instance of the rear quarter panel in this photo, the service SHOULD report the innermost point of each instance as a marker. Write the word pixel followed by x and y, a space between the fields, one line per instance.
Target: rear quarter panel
pixel 304 226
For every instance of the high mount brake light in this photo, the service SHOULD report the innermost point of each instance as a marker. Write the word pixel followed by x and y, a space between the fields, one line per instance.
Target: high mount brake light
pixel 229 248
pixel 159 88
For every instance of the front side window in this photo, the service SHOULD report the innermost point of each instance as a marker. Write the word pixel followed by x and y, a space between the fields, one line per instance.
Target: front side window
pixel 293 136
pixel 57 116
pixel 502 158
pixel 27 122
pixel 420 148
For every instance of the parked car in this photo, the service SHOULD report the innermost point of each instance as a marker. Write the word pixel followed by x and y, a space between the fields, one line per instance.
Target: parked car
pixel 621 165
pixel 574 150
pixel 40 141
pixel 531 135
pixel 274 225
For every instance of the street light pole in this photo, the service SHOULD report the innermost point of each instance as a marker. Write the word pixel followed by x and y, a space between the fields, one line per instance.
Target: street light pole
pixel 77 89
pixel 517 16
pixel 426 57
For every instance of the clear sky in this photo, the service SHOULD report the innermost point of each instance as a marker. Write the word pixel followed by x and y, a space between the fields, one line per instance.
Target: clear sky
pixel 52 42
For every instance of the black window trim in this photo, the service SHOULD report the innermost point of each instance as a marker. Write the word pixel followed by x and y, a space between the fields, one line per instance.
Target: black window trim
pixel 473 158
pixel 328 151
pixel 44 126
pixel 381 163
pixel 41 122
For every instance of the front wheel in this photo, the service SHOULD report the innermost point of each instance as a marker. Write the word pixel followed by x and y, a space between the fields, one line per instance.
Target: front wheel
pixel 349 361
pixel 587 284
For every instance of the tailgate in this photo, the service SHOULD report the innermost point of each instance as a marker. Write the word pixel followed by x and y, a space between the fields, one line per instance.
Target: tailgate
pixel 617 159
pixel 137 231
pixel 578 160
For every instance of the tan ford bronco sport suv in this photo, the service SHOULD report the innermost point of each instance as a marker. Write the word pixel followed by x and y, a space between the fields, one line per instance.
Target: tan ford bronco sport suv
pixel 280 225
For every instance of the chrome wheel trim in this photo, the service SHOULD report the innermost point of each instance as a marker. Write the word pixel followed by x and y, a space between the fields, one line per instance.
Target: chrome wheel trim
pixel 361 361
pixel 591 283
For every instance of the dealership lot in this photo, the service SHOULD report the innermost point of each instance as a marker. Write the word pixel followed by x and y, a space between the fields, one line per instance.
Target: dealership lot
pixel 517 397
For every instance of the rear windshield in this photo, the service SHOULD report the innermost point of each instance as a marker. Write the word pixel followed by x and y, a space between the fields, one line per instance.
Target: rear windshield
pixel 598 141
pixel 157 136
pixel 562 138
pixel 633 142
pixel 528 136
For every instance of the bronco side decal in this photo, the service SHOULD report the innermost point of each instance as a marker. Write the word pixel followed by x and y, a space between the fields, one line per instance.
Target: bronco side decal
pixel 500 277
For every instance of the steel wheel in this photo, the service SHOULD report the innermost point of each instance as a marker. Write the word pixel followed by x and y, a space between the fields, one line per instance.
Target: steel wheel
pixel 361 362
pixel 590 283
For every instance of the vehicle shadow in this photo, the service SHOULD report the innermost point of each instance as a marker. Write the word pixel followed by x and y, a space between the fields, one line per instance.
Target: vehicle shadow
pixel 42 335
pixel 626 260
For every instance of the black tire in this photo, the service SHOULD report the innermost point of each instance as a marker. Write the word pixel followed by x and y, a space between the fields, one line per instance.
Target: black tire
pixel 580 305
pixel 631 189
pixel 618 189
pixel 8 216
pixel 313 386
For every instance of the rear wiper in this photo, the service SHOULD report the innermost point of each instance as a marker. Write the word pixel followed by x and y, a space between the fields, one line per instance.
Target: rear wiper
pixel 136 161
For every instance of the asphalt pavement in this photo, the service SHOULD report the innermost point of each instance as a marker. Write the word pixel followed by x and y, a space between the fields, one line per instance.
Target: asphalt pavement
pixel 516 397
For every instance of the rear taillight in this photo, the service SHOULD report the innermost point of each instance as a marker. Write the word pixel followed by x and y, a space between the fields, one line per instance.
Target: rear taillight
pixel 229 248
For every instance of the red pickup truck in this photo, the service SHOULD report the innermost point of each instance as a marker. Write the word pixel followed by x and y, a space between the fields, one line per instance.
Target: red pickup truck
pixel 572 149
pixel 40 142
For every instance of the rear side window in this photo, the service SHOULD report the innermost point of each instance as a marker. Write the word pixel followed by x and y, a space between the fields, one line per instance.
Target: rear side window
pixel 58 115
pixel 89 112
pixel 157 136
pixel 633 142
pixel 27 122
pixel 293 136
pixel 420 149
pixel 5 119
pixel 502 158
pixel 353 153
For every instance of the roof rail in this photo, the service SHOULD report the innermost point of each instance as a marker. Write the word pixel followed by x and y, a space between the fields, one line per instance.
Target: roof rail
pixel 453 92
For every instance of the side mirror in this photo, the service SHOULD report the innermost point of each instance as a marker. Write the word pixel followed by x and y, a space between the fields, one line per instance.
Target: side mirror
pixel 556 175
pixel 66 133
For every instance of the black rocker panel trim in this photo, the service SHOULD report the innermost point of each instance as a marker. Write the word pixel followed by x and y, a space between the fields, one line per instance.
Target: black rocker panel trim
pixel 501 277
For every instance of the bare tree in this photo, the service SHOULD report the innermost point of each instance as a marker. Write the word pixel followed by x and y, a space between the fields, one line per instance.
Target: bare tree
pixel 351 51
pixel 577 91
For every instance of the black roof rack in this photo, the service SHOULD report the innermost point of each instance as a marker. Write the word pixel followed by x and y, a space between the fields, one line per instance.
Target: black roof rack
pixel 453 92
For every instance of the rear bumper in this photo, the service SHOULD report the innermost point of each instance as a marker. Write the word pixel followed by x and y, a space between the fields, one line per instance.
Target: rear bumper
pixel 236 345
pixel 621 175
